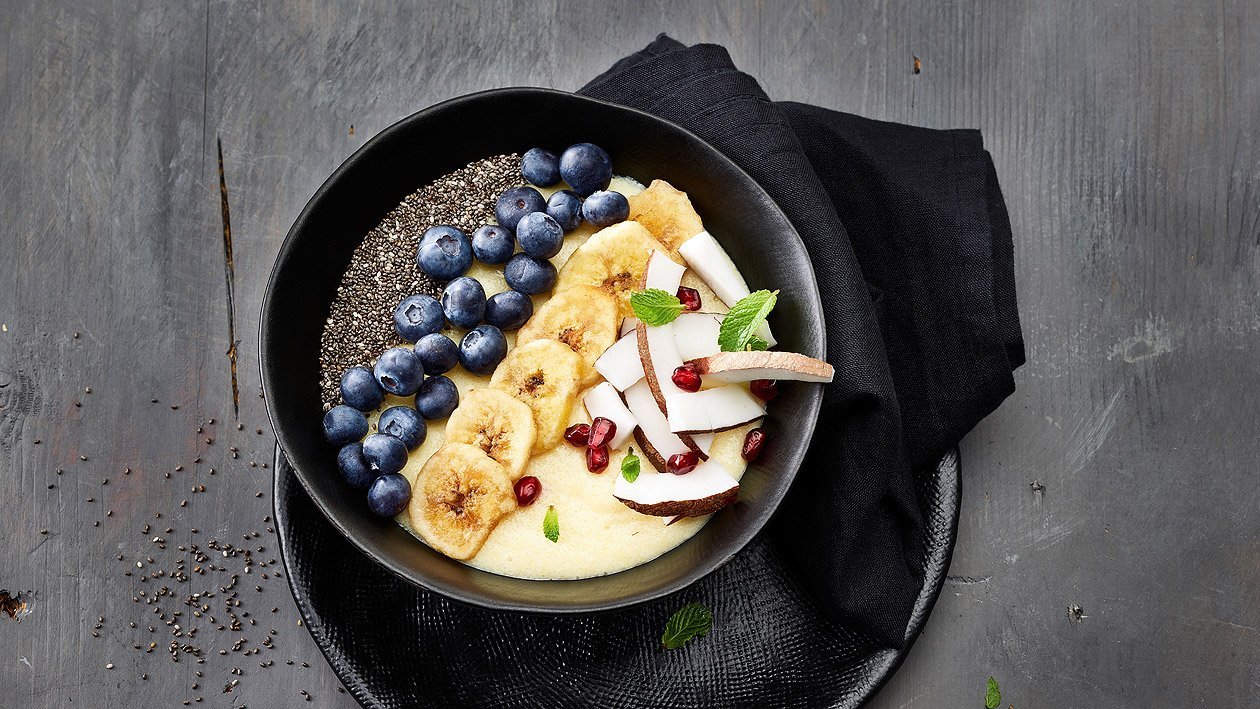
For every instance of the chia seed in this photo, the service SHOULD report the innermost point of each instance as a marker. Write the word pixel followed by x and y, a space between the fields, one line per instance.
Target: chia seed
pixel 383 270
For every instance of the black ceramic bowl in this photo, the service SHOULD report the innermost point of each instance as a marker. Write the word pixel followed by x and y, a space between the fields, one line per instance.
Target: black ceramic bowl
pixel 437 140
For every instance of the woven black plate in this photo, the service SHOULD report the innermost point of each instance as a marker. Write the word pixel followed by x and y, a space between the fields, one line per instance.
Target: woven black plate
pixel 395 645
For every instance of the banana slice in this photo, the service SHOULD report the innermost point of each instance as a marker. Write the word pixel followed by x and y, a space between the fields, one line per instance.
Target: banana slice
pixel 460 496
pixel 545 375
pixel 498 424
pixel 583 317
pixel 613 260
pixel 667 213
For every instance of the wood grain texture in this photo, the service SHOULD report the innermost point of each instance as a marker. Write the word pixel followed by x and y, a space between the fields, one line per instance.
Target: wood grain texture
pixel 1125 136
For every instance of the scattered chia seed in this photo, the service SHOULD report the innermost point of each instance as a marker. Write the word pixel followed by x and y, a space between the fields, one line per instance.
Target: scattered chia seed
pixel 383 269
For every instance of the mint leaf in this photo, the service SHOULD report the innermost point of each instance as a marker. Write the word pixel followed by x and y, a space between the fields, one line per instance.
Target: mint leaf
pixel 630 467
pixel 992 695
pixel 739 327
pixel 655 306
pixel 758 345
pixel 551 524
pixel 690 621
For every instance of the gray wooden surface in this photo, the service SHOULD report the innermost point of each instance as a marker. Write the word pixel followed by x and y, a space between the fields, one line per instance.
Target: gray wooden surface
pixel 1121 478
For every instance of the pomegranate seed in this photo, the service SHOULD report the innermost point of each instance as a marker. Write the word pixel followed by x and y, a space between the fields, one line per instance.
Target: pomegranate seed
pixel 764 389
pixel 578 434
pixel 597 459
pixel 682 463
pixel 602 431
pixel 527 490
pixel 690 297
pixel 753 443
pixel 686 378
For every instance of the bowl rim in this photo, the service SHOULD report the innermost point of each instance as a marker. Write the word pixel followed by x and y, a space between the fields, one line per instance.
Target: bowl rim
pixel 266 325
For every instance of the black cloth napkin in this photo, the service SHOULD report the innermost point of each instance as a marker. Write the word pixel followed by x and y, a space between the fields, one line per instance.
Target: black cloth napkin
pixel 911 244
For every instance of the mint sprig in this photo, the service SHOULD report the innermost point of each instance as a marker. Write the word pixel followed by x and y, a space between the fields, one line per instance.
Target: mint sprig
pixel 690 621
pixel 630 466
pixel 992 695
pixel 738 331
pixel 551 524
pixel 655 306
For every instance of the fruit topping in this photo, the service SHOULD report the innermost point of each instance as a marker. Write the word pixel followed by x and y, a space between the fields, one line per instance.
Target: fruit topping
pixel 602 432
pixel 565 207
pixel 447 256
pixel 713 409
pixel 436 398
pixel 527 490
pixel 696 335
pixel 354 468
pixel 586 168
pixel 682 463
pixel 404 424
pixel 750 366
pixel 438 353
pixel 529 275
pixel 584 318
pixel 579 434
pixel 605 208
pixel 515 203
pixel 660 358
pixel 764 389
pixel 667 213
pixel 544 374
pixel 603 403
pixel 389 494
pixel 539 235
pixel 754 442
pixel 689 297
pixel 493 244
pixel 710 261
pixel 384 453
pixel 482 348
pixel 613 259
pixel 596 458
pixel 460 496
pixel 686 378
pixel 620 364
pixel 497 424
pixel 663 273
pixel 464 302
pixel 399 371
pixel 360 390
pixel 540 167
pixel 417 316
pixel 343 424
pixel 653 434
pixel 706 489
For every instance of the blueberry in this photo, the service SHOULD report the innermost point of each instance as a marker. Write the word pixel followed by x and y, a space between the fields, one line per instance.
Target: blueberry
pixel 404 424
pixel 539 235
pixel 508 310
pixel 529 275
pixel 343 424
pixel 437 398
pixel 360 390
pixel 464 302
pixel 605 208
pixel 446 256
pixel 432 233
pixel 399 371
pixel 389 495
pixel 540 167
pixel 384 453
pixel 482 349
pixel 354 467
pixel 586 168
pixel 493 244
pixel 565 207
pixel 417 316
pixel 438 353
pixel 516 203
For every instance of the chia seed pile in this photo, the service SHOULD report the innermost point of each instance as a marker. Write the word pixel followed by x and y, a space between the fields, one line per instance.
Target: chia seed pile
pixel 383 268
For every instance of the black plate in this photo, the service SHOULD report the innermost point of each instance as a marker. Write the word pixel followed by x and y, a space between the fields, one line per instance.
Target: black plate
pixel 395 645
pixel 428 144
